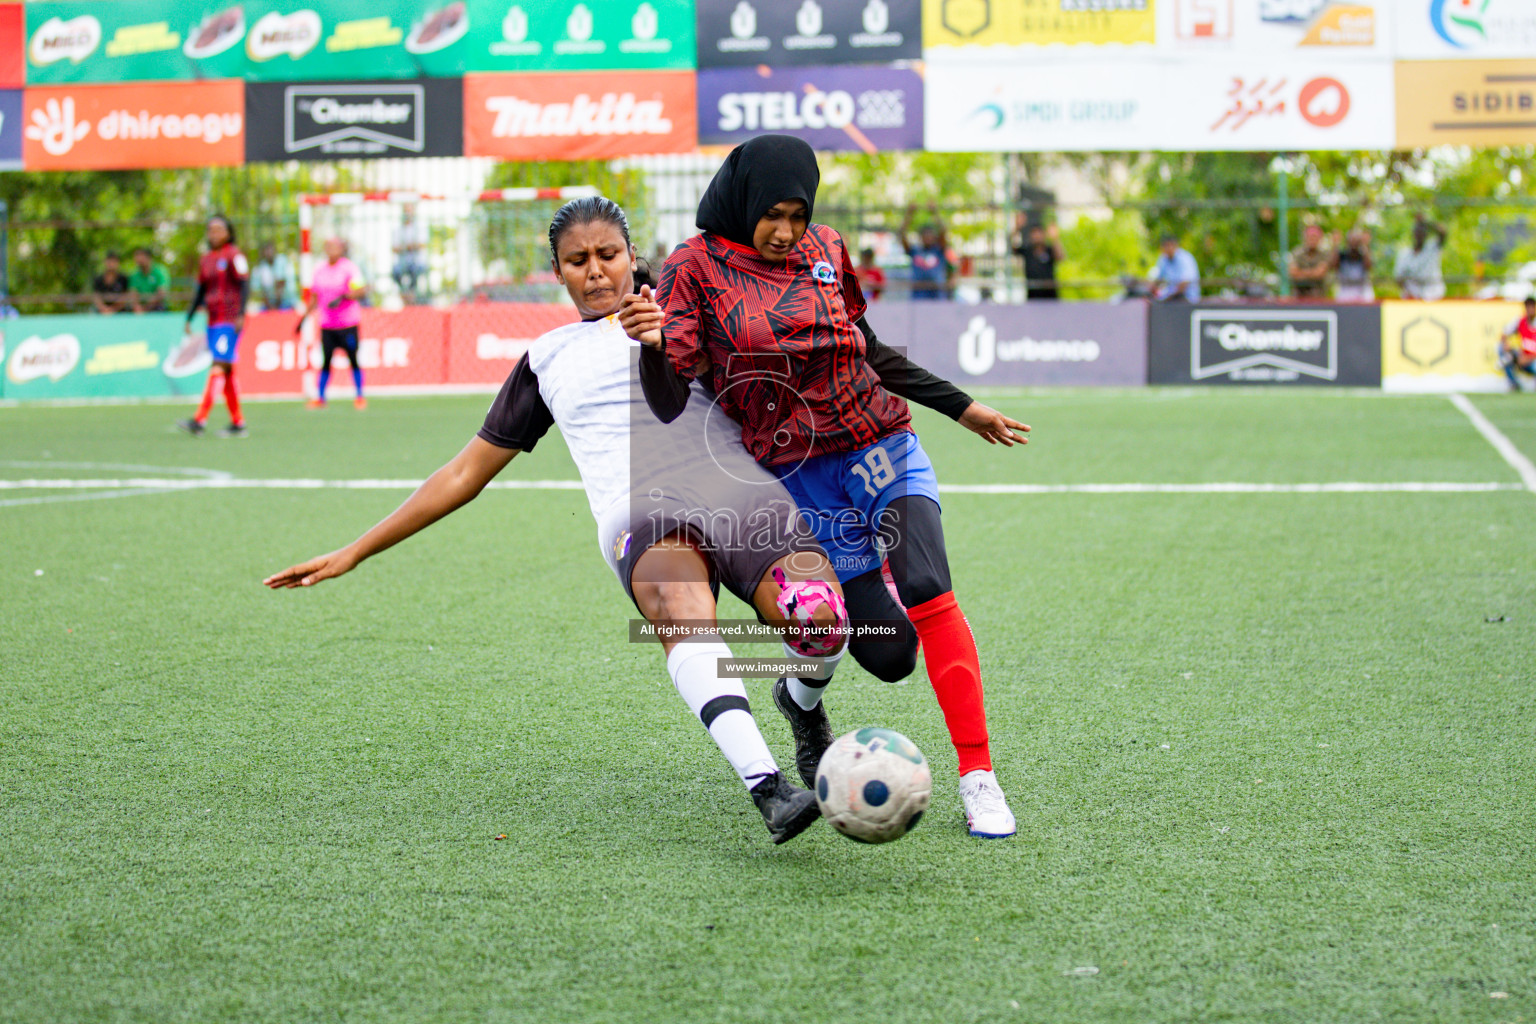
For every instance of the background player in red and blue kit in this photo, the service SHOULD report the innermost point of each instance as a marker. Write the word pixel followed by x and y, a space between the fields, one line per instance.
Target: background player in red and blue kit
pixel 223 286
pixel 1517 345
pixel 766 308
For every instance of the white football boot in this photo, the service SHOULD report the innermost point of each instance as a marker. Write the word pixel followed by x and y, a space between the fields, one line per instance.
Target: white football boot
pixel 986 809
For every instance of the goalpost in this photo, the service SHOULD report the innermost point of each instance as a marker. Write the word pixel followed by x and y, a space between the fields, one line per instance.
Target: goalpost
pixel 418 248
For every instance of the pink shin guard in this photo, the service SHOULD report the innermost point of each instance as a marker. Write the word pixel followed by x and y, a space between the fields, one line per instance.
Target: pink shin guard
pixel 798 601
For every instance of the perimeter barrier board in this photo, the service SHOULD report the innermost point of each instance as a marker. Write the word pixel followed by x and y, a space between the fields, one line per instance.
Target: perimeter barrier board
pixel 94 356
pixel 1034 344
pixel 1264 343
pixel 1444 346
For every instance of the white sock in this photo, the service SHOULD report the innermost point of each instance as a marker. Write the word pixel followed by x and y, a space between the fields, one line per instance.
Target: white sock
pixel 721 704
pixel 807 687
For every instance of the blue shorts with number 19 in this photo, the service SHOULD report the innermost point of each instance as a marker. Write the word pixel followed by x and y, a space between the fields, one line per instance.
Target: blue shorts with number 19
pixel 843 495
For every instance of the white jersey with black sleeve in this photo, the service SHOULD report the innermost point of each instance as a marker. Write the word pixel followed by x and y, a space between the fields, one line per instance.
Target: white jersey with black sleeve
pixel 645 479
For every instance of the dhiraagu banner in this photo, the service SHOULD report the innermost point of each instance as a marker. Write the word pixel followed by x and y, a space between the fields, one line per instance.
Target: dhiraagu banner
pixel 75 41
pixel 94 356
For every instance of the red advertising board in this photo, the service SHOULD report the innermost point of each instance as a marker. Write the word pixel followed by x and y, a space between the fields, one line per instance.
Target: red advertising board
pixel 486 339
pixel 594 115
pixel 13 46
pixel 396 349
pixel 147 124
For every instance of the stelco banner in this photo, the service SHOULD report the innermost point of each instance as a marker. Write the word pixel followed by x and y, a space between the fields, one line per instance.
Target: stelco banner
pixel 1258 344
pixel 1443 346
pixel 832 108
pixel 148 124
pixel 1037 343
pixel 288 40
pixel 566 116
pixel 341 120
pixel 102 357
pixel 733 33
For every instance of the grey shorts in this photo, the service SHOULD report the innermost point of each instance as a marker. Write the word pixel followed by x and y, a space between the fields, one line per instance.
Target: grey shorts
pixel 741 528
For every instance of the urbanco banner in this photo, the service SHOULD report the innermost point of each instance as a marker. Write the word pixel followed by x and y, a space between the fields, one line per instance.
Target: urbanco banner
pixel 145 124
pixel 865 109
pixel 568 116
pixel 776 33
pixel 1037 343
pixel 1293 343
pixel 1149 103
pixel 348 120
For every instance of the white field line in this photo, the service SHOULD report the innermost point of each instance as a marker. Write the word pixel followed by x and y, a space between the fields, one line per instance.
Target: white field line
pixel 1501 444
pixel 315 484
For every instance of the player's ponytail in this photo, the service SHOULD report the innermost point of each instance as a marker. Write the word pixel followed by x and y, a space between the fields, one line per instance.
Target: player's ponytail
pixel 644 274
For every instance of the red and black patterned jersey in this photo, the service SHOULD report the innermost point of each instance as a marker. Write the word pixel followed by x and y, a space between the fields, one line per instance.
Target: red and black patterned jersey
pixel 222 273
pixel 778 345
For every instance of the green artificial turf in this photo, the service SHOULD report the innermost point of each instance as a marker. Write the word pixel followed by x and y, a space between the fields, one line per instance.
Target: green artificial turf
pixel 1270 758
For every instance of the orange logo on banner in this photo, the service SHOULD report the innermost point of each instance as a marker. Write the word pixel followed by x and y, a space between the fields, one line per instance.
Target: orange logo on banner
pixel 147 124
pixel 585 116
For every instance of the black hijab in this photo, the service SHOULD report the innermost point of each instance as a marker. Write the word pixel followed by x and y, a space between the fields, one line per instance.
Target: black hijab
pixel 759 173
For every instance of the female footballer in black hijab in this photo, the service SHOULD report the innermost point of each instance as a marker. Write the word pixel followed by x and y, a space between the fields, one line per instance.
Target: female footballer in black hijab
pixel 765 307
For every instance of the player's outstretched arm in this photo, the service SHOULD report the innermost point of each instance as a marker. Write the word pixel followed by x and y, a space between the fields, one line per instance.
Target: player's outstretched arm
pixel 451 487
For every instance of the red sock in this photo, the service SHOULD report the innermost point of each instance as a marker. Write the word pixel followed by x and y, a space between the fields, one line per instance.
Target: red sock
pixel 232 398
pixel 954 669
pixel 207 403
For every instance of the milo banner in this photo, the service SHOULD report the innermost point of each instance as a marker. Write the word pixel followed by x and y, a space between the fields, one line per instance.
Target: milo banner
pixel 73 41
pixel 94 356
pixel 1297 343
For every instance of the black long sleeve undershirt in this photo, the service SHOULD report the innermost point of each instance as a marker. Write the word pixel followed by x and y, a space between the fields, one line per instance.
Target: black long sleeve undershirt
pixel 667 393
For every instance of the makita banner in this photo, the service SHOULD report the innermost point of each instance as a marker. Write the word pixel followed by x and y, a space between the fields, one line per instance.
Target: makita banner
pixel 735 33
pixel 1298 343
pixel 347 120
pixel 866 109
pixel 567 116
pixel 1037 343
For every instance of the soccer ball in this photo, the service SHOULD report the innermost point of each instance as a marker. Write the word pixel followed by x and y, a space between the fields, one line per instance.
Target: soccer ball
pixel 873 785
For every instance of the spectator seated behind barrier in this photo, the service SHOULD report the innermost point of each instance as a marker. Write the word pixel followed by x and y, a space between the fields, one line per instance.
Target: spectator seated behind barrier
pixel 1176 278
pixel 1418 264
pixel 410 247
pixel 272 279
pixel 871 277
pixel 149 282
pixel 1310 264
pixel 1352 263
pixel 110 287
pixel 933 265
pixel 1040 249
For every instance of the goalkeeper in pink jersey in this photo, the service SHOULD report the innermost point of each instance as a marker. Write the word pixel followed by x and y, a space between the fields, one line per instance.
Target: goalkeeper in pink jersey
pixel 335 289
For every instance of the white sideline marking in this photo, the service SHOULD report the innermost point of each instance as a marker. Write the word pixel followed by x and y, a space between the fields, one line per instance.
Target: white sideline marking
pixel 1494 436
pixel 161 484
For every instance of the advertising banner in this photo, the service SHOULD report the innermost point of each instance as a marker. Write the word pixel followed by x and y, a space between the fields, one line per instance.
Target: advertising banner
pixel 1146 103
pixel 1319 28
pixel 1466 103
pixel 95 356
pixel 13 46
pixel 565 35
pixel 1466 29
pixel 1207 343
pixel 835 108
pixel 948 23
pixel 1037 343
pixel 11 124
pixel 403 348
pixel 1443 346
pixel 347 120
pixel 73 41
pixel 737 33
pixel 147 124
pixel 486 339
pixel 566 116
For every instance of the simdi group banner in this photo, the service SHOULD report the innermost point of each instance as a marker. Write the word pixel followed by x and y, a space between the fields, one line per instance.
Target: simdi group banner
pixel 868 108
pixel 1443 346
pixel 1145 103
pixel 72 41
